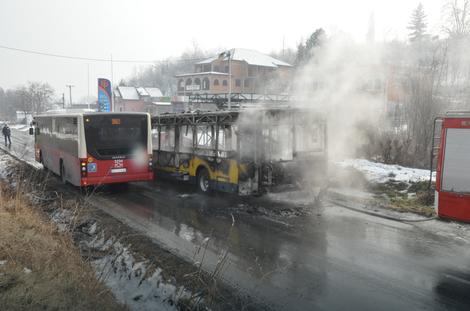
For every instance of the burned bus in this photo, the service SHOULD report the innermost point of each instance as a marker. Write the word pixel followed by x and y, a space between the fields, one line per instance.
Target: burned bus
pixel 248 151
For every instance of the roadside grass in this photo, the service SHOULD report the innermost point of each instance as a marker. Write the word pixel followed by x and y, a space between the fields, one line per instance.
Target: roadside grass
pixel 411 205
pixel 406 197
pixel 40 268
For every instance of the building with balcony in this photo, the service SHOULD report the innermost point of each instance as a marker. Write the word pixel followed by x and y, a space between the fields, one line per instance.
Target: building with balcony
pixel 251 73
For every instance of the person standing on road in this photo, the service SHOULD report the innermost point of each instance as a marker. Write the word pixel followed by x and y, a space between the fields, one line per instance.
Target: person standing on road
pixel 7 134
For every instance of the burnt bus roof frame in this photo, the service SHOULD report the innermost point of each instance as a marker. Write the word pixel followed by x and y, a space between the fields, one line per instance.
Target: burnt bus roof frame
pixel 195 118
pixel 222 117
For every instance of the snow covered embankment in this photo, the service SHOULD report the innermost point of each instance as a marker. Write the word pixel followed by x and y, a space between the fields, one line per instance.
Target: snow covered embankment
pixel 382 173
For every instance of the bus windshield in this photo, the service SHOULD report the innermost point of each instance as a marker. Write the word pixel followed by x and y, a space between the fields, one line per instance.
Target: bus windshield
pixel 115 136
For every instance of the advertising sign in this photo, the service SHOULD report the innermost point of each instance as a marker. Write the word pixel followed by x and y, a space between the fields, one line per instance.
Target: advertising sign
pixel 104 95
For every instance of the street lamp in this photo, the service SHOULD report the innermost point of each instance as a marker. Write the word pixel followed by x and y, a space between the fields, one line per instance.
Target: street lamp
pixel 222 56
pixel 229 80
pixel 70 86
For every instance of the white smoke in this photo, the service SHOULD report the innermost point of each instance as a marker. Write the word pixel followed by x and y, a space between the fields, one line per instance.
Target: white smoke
pixel 346 81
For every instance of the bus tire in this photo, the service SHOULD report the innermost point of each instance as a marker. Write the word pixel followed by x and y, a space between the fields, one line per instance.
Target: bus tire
pixel 62 173
pixel 203 180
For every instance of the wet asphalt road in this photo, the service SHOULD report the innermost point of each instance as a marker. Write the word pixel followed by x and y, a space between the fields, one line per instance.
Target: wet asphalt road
pixel 328 259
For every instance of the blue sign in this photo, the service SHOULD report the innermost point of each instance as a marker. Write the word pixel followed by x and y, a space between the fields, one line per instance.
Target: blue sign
pixel 104 95
pixel 91 167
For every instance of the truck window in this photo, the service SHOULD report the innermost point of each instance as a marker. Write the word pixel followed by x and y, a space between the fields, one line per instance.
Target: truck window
pixel 456 168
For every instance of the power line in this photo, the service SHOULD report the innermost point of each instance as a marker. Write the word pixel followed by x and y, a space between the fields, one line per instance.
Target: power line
pixel 95 59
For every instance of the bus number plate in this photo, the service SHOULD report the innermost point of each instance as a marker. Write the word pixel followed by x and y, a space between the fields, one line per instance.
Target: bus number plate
pixel 118 170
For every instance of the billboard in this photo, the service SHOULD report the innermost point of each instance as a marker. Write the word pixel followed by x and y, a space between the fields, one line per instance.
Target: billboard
pixel 104 95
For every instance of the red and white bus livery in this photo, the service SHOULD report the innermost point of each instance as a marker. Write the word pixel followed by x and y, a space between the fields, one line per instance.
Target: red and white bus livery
pixel 87 149
pixel 452 143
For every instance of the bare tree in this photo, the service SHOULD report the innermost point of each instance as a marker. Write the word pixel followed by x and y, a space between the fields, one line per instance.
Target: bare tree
pixel 162 74
pixel 34 97
pixel 23 100
pixel 423 82
pixel 457 17
pixel 40 95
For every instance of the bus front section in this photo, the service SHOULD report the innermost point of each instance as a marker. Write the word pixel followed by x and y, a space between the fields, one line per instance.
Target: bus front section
pixel 118 149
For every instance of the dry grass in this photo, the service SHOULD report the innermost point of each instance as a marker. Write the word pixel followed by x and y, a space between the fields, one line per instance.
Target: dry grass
pixel 413 205
pixel 398 193
pixel 43 269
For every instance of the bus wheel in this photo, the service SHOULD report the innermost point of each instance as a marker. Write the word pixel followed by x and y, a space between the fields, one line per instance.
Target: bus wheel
pixel 62 173
pixel 203 184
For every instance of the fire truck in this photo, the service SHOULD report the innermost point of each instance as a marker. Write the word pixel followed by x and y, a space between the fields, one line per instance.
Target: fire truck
pixel 451 161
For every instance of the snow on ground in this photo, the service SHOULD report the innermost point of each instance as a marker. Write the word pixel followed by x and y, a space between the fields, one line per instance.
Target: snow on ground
pixel 20 127
pixel 3 165
pixel 131 281
pixel 380 173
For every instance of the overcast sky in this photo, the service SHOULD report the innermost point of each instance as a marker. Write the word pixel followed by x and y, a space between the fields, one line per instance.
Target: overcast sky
pixel 153 30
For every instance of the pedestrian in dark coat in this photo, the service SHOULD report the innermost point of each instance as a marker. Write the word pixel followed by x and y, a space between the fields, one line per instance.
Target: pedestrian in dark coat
pixel 7 134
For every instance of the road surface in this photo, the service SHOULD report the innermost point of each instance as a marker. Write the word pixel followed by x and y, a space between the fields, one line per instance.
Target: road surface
pixel 328 259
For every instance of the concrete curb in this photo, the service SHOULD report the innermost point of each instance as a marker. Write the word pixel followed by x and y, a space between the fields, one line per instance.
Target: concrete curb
pixel 361 200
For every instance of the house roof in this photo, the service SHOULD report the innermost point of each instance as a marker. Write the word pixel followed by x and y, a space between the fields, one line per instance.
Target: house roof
pixel 128 92
pixel 202 73
pixel 252 57
pixel 135 93
pixel 154 92
pixel 142 91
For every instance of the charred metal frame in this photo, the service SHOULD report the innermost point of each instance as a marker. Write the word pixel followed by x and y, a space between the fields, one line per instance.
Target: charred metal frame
pixel 238 99
pixel 265 169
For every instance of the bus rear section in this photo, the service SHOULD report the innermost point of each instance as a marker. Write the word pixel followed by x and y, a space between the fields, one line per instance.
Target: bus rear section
pixel 118 149
pixel 452 198
pixel 96 148
pixel 247 152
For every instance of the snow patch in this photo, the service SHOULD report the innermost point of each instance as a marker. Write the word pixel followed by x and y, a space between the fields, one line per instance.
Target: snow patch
pixel 4 165
pixel 381 173
pixel 20 127
pixel 131 281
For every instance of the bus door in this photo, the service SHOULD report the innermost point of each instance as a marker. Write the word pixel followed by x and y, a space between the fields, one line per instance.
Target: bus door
pixel 248 162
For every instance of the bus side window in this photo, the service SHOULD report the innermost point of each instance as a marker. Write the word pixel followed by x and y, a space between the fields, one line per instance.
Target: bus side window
pixel 56 126
pixel 224 142
pixel 186 139
pixel 74 128
pixel 205 136
pixel 155 139
pixel 167 138
pixel 69 128
pixel 46 126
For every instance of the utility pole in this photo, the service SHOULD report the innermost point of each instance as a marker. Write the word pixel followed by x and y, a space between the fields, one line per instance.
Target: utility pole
pixel 63 100
pixel 112 83
pixel 88 86
pixel 229 80
pixel 70 86
pixel 283 46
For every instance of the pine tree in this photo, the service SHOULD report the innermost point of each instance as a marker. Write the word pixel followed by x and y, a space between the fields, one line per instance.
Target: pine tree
pixel 417 25
pixel 305 50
